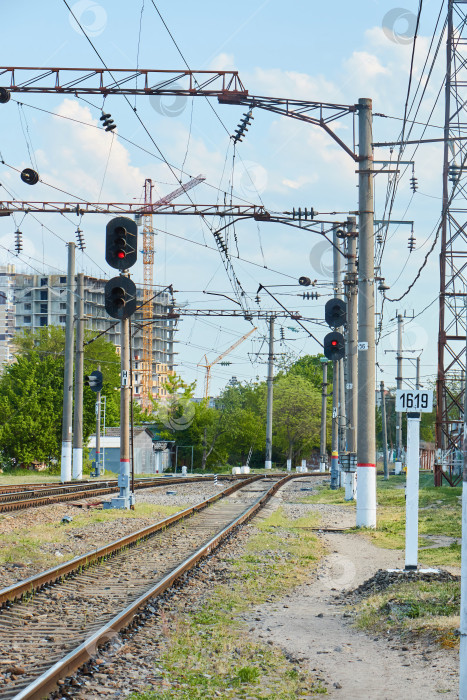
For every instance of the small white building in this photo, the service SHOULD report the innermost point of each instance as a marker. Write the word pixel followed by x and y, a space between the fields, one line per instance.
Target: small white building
pixel 151 456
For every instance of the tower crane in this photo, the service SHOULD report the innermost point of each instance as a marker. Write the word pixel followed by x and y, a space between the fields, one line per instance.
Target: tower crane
pixel 148 267
pixel 208 366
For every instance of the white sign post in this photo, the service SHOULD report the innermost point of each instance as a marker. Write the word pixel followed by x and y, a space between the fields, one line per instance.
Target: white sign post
pixel 413 403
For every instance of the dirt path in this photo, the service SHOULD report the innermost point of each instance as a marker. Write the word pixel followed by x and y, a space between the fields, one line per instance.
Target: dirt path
pixel 309 625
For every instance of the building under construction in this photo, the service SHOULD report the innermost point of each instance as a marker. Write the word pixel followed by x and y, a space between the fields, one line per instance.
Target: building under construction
pixel 38 301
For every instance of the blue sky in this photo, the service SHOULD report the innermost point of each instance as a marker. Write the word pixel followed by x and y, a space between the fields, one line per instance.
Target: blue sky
pixel 311 50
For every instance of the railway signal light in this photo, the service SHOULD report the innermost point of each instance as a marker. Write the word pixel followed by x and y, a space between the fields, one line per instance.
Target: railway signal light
pixel 334 346
pixel 120 297
pixel 107 122
pixel 121 237
pixel 94 380
pixel 335 313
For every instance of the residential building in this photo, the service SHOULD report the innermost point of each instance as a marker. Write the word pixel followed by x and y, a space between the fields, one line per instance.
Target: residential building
pixel 38 301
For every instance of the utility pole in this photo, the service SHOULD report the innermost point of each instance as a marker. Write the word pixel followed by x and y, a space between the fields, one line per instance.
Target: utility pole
pixel 65 464
pixel 417 376
pixel 350 286
pixel 324 407
pixel 98 431
pixel 351 335
pixel 398 465
pixel 385 432
pixel 79 377
pixel 268 460
pixel 339 387
pixel 126 498
pixel 335 427
pixel 366 445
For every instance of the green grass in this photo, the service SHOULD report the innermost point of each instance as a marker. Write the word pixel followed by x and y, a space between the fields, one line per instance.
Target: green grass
pixel 33 544
pixel 419 608
pixel 440 513
pixel 207 653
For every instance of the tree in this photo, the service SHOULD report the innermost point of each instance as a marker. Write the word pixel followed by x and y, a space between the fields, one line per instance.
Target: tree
pixel 296 417
pixel 31 394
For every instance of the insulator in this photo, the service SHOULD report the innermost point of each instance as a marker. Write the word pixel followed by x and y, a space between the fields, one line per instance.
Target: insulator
pixel 242 127
pixel 282 334
pixel 18 242
pixel 413 184
pixel 29 176
pixel 107 122
pixel 303 213
pixel 257 299
pixel 411 243
pixel 454 172
pixel 379 238
pixel 5 95
pixel 80 239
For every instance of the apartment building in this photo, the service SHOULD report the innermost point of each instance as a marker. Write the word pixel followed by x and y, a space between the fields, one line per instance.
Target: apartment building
pixel 37 301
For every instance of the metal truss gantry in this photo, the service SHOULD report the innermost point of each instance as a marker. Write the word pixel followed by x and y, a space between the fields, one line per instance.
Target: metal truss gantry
pixel 453 255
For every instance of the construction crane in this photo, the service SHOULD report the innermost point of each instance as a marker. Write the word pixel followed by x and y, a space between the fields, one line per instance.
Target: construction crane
pixel 208 366
pixel 148 267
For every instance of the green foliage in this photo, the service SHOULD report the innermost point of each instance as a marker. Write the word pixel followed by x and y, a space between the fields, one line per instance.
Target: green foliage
pixel 31 395
pixel 297 413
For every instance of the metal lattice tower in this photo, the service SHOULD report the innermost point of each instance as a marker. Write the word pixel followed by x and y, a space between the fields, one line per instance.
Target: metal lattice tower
pixel 148 267
pixel 453 255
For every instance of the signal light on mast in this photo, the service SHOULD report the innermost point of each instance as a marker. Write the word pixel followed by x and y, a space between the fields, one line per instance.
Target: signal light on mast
pixel 334 346
pixel 121 236
pixel 120 297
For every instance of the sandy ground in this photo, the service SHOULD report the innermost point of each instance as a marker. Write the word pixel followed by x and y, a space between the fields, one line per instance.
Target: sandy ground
pixel 310 626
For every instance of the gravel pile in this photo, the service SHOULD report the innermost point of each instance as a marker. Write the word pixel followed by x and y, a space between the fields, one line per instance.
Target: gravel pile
pixel 383 579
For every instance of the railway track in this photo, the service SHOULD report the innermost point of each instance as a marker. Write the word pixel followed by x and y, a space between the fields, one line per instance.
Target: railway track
pixel 27 496
pixel 45 636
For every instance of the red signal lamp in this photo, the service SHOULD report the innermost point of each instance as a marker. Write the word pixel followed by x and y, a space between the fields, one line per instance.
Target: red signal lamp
pixel 121 254
pixel 334 343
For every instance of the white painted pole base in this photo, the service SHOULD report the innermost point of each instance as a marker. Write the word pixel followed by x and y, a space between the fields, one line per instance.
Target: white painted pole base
pixel 65 462
pixel 77 462
pixel 366 496
pixel 397 468
pixel 350 486
pixel 411 501
pixel 322 467
pixel 268 464
pixel 463 611
pixel 289 465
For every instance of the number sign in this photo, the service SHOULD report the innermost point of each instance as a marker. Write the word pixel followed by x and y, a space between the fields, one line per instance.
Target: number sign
pixel 417 401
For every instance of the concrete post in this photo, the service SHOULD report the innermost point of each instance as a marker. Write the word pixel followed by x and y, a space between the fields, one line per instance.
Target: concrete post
pixel 270 380
pixel 324 401
pixel 98 431
pixel 366 444
pixel 65 464
pixel 411 501
pixel 335 427
pixel 385 432
pixel 398 465
pixel 126 497
pixel 79 380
